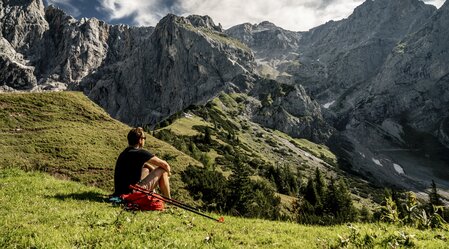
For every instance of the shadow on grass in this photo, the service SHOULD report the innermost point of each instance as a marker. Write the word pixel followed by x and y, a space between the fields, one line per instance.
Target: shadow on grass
pixel 85 196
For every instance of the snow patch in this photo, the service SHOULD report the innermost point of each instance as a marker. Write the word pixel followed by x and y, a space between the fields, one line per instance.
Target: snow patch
pixel 398 168
pixel 377 162
pixel 363 155
pixel 327 105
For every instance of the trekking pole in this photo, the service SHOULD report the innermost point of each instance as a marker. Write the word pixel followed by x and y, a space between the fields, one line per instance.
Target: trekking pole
pixel 175 203
pixel 164 198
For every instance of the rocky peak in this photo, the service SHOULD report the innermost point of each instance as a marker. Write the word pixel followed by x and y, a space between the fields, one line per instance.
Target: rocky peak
pixel 266 24
pixel 57 16
pixel 379 19
pixel 399 117
pixel 392 18
pixel 180 64
pixel 204 22
pixel 266 38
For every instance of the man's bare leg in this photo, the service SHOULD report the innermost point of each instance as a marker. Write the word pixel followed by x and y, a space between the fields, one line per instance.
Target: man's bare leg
pixel 156 177
pixel 164 185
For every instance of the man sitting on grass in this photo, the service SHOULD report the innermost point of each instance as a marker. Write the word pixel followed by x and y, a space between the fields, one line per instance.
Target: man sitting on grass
pixel 138 166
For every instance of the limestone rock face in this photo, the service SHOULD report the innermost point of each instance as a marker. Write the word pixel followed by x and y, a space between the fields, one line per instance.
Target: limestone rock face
pixel 398 119
pixel 289 109
pixel 415 77
pixel 71 49
pixel 266 39
pixel 13 69
pixel 275 49
pixel 412 86
pixel 181 64
pixel 22 23
pixel 381 78
pixel 349 52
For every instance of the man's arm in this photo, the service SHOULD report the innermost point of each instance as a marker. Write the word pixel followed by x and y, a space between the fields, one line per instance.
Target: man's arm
pixel 156 161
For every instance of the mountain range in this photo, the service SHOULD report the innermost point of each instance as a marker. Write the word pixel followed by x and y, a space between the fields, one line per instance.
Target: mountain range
pixel 373 86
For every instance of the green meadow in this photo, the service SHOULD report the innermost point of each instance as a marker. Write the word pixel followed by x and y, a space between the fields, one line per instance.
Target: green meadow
pixel 56 166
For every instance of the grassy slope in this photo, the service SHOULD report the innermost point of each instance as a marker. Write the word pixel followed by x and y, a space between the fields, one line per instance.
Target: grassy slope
pixel 39 211
pixel 274 147
pixel 67 135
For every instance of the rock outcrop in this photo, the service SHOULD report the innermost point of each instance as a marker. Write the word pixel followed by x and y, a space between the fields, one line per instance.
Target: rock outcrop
pixel 14 71
pixel 275 49
pixel 181 64
pixel 266 39
pixel 404 107
pixel 141 76
pixel 381 78
pixel 22 23
pixel 289 109
pixel 22 26
pixel 349 52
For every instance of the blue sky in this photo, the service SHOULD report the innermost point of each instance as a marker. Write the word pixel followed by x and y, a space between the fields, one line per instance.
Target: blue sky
pixel 297 15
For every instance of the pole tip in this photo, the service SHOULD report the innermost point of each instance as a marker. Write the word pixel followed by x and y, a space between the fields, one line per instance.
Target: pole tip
pixel 221 219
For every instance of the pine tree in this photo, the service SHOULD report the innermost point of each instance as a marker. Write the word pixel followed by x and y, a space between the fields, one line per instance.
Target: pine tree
pixel 240 188
pixel 207 136
pixel 250 198
pixel 310 193
pixel 320 184
pixel 331 198
pixel 434 197
pixel 347 211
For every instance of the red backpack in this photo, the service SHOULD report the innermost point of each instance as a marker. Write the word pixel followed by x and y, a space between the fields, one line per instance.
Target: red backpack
pixel 142 201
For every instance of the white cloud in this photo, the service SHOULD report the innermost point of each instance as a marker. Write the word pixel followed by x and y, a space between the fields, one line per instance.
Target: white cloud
pixel 74 11
pixel 437 3
pixel 292 15
pixel 296 15
pixel 145 12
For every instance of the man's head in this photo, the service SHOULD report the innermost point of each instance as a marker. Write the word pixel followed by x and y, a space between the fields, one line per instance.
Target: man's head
pixel 136 137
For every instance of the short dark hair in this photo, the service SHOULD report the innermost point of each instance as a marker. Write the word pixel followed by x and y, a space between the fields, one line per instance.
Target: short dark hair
pixel 134 135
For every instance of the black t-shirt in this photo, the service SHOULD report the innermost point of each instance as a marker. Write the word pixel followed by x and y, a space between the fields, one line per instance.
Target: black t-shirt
pixel 128 169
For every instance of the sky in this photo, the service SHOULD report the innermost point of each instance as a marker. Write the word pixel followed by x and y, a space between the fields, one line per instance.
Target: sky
pixel 295 15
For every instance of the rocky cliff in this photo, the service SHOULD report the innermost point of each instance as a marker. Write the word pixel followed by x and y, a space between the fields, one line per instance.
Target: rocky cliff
pixel 183 62
pixel 405 106
pixel 22 26
pixel 380 76
pixel 288 108
pixel 275 48
pixel 140 76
